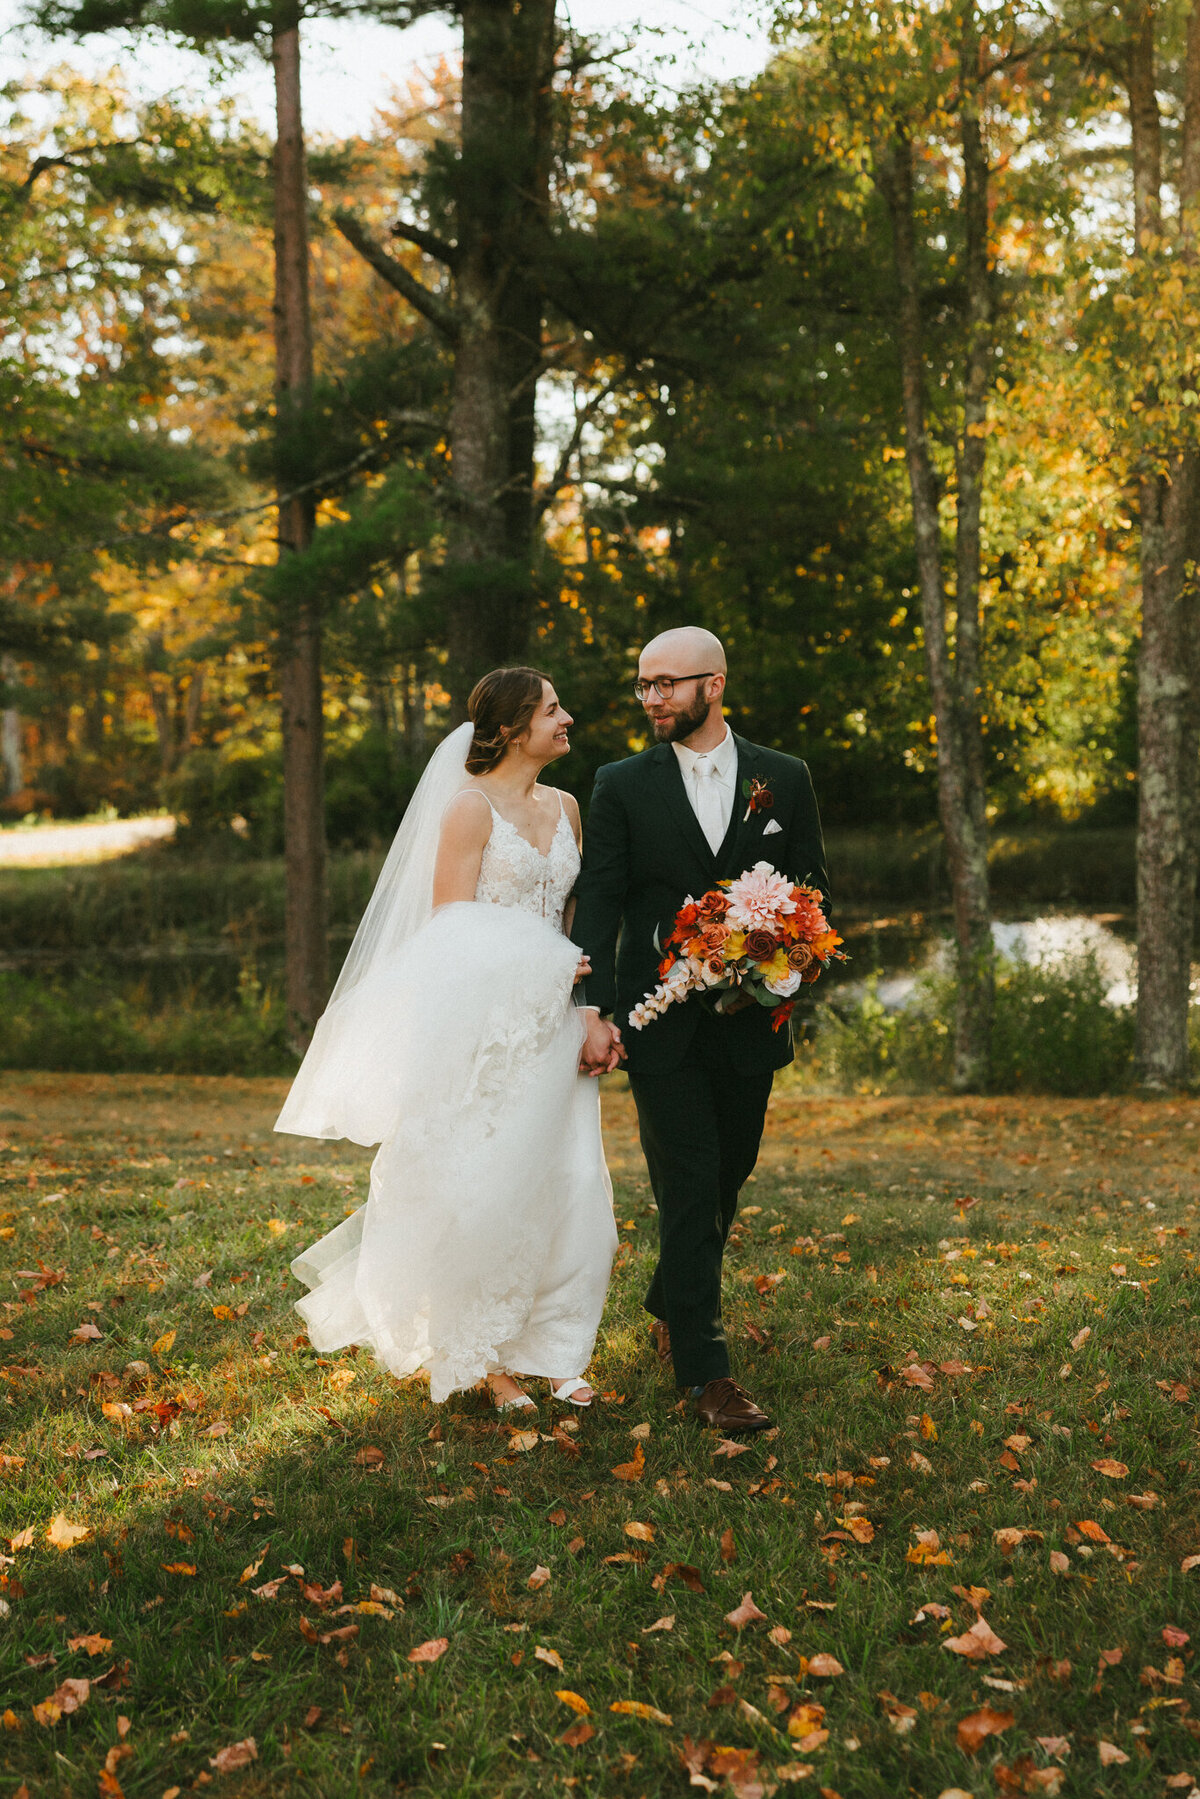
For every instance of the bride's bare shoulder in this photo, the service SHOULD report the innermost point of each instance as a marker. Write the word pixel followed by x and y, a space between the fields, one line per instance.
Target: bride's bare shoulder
pixel 468 817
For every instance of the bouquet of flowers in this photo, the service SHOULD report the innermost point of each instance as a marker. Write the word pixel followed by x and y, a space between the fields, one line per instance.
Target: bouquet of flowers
pixel 761 936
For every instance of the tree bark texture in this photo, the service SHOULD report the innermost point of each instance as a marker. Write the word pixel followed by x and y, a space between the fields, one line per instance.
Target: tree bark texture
pixel 298 646
pixel 11 757
pixel 1168 697
pixel 508 63
pixel 954 677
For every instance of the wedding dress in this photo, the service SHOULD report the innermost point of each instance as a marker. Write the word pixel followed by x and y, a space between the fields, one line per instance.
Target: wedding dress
pixel 488 1235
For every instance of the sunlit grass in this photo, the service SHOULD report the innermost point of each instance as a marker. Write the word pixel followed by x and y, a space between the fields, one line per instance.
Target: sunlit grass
pixel 166 1206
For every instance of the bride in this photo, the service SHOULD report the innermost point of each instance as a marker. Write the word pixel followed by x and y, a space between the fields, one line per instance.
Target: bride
pixel 484 1247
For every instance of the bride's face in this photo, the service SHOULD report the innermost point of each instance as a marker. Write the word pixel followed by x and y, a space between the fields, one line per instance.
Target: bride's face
pixel 545 737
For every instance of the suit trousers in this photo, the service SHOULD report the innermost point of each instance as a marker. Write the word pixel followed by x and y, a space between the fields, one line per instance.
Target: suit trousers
pixel 701 1125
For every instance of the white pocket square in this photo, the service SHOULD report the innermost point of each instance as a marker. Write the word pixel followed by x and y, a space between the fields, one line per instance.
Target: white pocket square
pixel 772 824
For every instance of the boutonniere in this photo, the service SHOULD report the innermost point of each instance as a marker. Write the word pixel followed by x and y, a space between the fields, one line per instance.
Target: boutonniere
pixel 758 797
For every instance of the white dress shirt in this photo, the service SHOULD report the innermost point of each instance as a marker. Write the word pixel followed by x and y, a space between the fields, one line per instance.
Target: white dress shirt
pixel 710 781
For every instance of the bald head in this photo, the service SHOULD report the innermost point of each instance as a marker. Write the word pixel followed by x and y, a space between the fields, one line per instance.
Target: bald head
pixel 687 650
pixel 691 661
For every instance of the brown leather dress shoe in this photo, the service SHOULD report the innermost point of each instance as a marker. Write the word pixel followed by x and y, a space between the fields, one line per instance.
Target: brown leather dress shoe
pixel 725 1406
pixel 660 1341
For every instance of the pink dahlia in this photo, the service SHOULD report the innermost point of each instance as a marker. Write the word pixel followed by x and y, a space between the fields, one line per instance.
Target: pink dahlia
pixel 758 898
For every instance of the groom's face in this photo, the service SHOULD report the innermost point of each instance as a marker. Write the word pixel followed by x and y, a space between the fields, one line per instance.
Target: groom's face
pixel 674 720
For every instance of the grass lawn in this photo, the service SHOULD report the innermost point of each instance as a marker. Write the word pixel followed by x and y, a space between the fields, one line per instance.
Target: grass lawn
pixel 232 1564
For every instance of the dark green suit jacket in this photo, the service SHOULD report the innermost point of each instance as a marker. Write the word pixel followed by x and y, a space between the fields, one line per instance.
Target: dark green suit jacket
pixel 644 854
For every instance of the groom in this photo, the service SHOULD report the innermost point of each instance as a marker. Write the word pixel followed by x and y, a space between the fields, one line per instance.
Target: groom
pixel 664 824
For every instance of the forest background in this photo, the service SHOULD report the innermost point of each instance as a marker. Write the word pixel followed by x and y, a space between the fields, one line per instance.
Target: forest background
pixel 879 363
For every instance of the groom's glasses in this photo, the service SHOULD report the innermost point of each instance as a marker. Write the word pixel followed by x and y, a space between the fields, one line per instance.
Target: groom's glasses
pixel 665 685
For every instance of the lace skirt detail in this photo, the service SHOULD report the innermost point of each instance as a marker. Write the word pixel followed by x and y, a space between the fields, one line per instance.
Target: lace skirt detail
pixel 488 1235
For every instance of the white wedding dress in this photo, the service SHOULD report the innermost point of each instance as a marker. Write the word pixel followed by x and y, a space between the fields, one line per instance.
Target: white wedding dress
pixel 488 1236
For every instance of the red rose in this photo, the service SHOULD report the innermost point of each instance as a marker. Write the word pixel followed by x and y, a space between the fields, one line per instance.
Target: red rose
pixel 760 945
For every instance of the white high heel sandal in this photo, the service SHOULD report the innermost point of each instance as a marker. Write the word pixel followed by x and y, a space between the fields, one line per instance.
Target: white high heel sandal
pixel 520 1403
pixel 565 1391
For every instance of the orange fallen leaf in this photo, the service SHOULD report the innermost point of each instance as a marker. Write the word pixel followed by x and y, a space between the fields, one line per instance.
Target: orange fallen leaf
pixel 978 1726
pixel 578 1734
pixel 641 1533
pixel 667 1623
pixel 551 1657
pixel 431 1651
pixel 163 1344
pixel 576 1701
pixel 977 1643
pixel 745 1613
pixel 62 1534
pixel 780 1634
pixel 538 1578
pixel 1113 1469
pixel 637 1708
pixel 1110 1755
pixel 234 1755
pixel 679 1571
pixel 98 1645
pixel 1174 1637
pixel 635 1469
pixel 1059 1563
pixel 901 1718
pixel 728 1548
pixel 116 1409
pixel 1091 1530
pixel 522 1441
pixel 188 1568
pixel 824 1666
pixel 86 1332
pixel 1081 1337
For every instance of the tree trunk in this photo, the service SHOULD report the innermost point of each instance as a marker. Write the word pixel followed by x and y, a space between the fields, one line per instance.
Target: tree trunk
pixel 10 730
pixel 298 646
pixel 1168 671
pixel 508 61
pixel 953 680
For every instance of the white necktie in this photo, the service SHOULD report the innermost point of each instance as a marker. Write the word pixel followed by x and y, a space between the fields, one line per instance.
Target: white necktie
pixel 708 802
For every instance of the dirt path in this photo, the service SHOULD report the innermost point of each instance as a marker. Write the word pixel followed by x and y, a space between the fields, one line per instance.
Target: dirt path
pixel 55 846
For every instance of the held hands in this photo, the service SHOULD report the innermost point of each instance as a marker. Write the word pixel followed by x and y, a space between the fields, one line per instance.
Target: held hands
pixel 602 1047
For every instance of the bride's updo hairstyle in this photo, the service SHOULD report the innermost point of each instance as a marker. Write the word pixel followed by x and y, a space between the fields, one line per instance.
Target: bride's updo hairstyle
pixel 500 708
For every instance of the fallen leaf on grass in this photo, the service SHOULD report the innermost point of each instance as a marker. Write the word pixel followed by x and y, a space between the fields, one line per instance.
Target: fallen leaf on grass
pixel 745 1613
pixel 931 1609
pixel 578 1734
pixel 1188 1563
pixel 727 1447
pixel 901 1718
pixel 551 1657
pixel 1091 1530
pixel 679 1571
pixel 824 1666
pixel 1081 1337
pixel 919 1463
pixel 62 1702
pixel 1113 1469
pixel 1173 1637
pixel 977 1643
pixel 861 1529
pixel 1143 1502
pixel 637 1708
pixel 641 1533
pixel 86 1332
pixel 116 1409
pixel 219 1429
pixel 62 1534
pixel 370 1457
pixel 728 1549
pixel 667 1623
pixel 635 1469
pixel 978 1726
pixel 98 1645
pixel 1011 1536
pixel 522 1441
pixel 1059 1563
pixel 538 1578
pixel 431 1651
pixel 163 1344
pixel 1110 1755
pixel 780 1634
pixel 188 1568
pixel 576 1701
pixel 234 1755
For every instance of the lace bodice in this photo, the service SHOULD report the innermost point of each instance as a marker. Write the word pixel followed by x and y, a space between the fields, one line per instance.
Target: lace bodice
pixel 514 873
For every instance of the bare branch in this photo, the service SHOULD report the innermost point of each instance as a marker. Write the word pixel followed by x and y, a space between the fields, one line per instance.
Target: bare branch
pixel 429 241
pixel 419 297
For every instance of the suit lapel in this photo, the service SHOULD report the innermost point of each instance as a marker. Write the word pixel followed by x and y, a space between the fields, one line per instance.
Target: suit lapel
pixel 674 794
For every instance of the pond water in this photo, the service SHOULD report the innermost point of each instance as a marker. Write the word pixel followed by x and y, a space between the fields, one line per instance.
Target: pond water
pixel 1049 941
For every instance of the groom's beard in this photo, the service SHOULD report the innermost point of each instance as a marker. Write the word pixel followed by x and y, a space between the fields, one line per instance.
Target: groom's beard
pixel 676 726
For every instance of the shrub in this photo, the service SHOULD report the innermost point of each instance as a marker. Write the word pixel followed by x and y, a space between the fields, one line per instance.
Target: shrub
pixel 1053 1033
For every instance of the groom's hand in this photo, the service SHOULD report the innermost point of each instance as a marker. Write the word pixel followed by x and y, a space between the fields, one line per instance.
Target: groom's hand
pixel 602 1047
